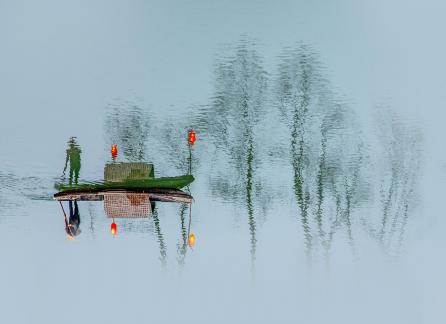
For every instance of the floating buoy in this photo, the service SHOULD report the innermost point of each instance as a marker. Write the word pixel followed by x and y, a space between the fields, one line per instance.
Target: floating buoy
pixel 114 151
pixel 113 228
pixel 191 138
pixel 191 240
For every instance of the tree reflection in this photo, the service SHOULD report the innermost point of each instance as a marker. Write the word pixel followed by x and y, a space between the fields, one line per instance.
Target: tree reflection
pixel 160 238
pixel 127 125
pixel 231 120
pixel 174 151
pixel 400 148
pixel 187 238
pixel 325 148
pixel 182 245
pixel 325 152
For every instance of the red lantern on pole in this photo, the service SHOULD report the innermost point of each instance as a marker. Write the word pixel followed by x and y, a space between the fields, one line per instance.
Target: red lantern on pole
pixel 113 228
pixel 191 138
pixel 191 240
pixel 114 151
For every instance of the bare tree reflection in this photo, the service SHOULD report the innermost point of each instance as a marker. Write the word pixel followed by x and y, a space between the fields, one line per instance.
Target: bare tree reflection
pixel 160 238
pixel 327 155
pixel 232 120
pixel 325 148
pixel 182 244
pixel 400 149
pixel 127 125
pixel 174 149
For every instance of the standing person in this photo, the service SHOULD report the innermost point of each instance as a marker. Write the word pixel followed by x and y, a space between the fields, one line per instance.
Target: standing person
pixel 72 224
pixel 74 157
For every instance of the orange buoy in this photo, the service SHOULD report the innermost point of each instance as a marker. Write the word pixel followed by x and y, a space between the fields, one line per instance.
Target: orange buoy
pixel 114 150
pixel 191 138
pixel 113 228
pixel 191 240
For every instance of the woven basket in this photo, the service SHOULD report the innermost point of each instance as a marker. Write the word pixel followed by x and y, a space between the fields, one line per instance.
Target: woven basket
pixel 127 205
pixel 120 172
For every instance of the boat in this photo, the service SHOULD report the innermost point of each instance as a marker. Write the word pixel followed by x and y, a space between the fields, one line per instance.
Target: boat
pixel 129 178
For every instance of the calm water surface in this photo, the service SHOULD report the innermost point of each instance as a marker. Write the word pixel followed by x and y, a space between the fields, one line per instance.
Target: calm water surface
pixel 319 167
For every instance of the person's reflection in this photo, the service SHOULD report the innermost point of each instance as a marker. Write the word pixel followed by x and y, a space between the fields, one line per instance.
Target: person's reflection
pixel 72 224
pixel 74 157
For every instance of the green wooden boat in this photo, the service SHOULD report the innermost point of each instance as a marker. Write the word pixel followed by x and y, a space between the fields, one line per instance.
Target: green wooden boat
pixel 138 177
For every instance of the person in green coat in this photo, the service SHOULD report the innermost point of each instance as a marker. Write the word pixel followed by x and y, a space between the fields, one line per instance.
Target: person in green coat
pixel 74 158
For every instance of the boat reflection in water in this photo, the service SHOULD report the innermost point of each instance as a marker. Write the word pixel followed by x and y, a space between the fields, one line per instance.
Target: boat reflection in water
pixel 129 190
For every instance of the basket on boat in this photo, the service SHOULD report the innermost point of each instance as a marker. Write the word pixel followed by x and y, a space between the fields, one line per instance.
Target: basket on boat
pixel 120 172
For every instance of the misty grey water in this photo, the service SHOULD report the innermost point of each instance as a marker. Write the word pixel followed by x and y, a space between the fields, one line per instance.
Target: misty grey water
pixel 319 163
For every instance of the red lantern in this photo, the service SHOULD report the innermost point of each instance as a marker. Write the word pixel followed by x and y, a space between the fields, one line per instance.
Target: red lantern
pixel 113 228
pixel 191 137
pixel 191 240
pixel 114 151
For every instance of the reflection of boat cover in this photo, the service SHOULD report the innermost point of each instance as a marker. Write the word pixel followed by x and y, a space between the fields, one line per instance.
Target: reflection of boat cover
pixel 127 205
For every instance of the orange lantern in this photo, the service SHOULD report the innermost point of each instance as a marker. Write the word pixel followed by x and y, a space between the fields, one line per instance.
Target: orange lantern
pixel 114 151
pixel 191 138
pixel 191 240
pixel 113 228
